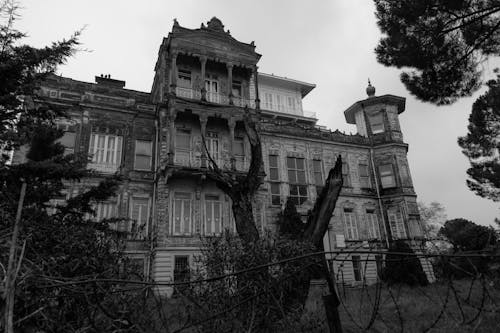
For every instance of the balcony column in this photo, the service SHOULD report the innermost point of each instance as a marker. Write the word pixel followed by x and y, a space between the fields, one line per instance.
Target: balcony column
pixel 171 121
pixel 203 61
pixel 173 72
pixel 230 81
pixel 256 81
pixel 203 127
pixel 232 125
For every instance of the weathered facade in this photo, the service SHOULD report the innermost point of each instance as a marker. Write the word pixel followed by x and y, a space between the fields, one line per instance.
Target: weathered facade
pixel 204 82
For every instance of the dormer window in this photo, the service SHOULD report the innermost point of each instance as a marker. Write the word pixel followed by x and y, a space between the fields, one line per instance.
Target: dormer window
pixel 377 122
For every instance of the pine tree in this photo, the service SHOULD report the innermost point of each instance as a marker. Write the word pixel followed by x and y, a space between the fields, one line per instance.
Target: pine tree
pixel 440 44
pixel 482 143
pixel 52 243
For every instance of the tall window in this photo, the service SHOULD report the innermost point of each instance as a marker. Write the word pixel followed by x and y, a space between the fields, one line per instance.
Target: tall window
pixel 387 179
pixel 239 153
pixel 68 141
pixel 143 155
pixel 181 268
pixel 236 89
pixel 351 228
pixel 379 261
pixel 106 151
pixel 397 225
pixel 364 176
pixel 372 224
pixel 274 176
pixel 279 102
pixel 356 267
pixel 139 214
pixel 212 141
pixel 297 179
pixel 273 167
pixel 318 174
pixel 377 122
pixel 213 215
pixel 182 213
pixel 268 101
pixel 291 103
pixel 345 174
pixel 183 147
pixel 212 88
pixel 105 210
pixel 184 78
pixel 275 194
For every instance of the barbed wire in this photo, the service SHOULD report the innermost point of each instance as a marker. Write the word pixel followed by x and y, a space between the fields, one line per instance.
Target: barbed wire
pixel 372 303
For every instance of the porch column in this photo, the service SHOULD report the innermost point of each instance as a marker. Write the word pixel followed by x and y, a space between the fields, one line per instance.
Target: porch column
pixel 230 81
pixel 171 149
pixel 203 126
pixel 203 61
pixel 232 125
pixel 256 80
pixel 173 72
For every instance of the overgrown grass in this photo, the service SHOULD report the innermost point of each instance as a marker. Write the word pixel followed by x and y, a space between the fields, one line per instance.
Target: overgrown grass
pixel 460 306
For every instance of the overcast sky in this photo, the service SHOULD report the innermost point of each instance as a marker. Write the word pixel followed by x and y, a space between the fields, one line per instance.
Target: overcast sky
pixel 328 43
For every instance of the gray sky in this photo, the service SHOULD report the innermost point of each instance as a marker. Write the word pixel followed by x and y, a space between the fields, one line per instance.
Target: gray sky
pixel 329 43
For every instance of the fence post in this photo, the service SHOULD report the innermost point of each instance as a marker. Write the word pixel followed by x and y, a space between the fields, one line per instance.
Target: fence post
pixel 331 302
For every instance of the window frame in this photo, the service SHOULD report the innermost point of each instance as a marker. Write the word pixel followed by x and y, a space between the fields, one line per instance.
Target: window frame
pixel 144 232
pixel 97 156
pixel 377 126
pixel 358 270
pixel 183 197
pixel 143 155
pixel 350 224
pixel 345 173
pixel 299 189
pixel 275 195
pixel 396 224
pixel 372 224
pixel 211 230
pixel 385 174
pixel 318 171
pixel 184 75
pixel 213 141
pixel 364 179
pixel 181 270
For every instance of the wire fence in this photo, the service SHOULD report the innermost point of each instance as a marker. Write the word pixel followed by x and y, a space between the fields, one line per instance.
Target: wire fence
pixel 463 295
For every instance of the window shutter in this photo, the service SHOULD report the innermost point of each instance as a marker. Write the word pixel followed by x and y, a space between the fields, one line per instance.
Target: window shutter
pixel 91 145
pixel 118 150
pixel 217 217
pixel 177 216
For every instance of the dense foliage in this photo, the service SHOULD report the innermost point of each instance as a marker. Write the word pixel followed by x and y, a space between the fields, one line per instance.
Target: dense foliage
pixel 432 216
pixel 439 43
pixel 465 235
pixel 402 269
pixel 55 244
pixel 261 300
pixel 482 143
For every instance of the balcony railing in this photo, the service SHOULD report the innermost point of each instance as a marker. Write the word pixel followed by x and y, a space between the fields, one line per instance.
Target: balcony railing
pixel 190 160
pixel 188 93
pixel 213 97
pixel 103 167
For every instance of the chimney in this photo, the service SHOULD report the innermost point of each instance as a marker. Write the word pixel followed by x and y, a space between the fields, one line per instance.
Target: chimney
pixel 106 80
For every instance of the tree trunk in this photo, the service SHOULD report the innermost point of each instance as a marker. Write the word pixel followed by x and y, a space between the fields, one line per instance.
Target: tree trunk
pixel 10 280
pixel 243 217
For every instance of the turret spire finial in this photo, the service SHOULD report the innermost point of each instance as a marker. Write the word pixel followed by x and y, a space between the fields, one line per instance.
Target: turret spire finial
pixel 370 90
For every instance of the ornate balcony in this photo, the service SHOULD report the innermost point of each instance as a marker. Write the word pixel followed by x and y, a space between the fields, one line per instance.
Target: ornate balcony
pixel 214 97
pixel 194 160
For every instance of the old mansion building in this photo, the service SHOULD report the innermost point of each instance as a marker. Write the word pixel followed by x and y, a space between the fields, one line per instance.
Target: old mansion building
pixel 204 82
